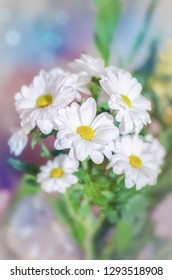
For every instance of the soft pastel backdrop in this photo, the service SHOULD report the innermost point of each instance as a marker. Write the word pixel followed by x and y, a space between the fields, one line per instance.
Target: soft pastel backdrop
pixel 43 34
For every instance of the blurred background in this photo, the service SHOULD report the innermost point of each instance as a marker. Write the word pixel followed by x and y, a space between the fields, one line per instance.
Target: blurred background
pixel 49 33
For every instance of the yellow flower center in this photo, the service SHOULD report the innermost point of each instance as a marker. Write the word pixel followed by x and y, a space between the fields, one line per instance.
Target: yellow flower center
pixel 44 101
pixel 86 132
pixel 126 100
pixel 168 116
pixel 56 173
pixel 135 161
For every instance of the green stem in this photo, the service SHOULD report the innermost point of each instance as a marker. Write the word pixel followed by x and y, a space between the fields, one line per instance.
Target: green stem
pixel 71 210
pixel 88 244
pixel 88 241
pixel 109 248
pixel 90 234
pixel 99 223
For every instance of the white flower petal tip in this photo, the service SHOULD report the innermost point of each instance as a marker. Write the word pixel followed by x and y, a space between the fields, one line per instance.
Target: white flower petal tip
pixel 58 175
pixel 140 161
pixel 126 100
pixel 84 133
pixel 18 141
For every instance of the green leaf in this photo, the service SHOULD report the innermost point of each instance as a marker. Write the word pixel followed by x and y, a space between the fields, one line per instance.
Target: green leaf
pixel 93 192
pixel 78 233
pixel 83 175
pixel 109 195
pixel 123 237
pixel 45 153
pixel 53 132
pixel 148 66
pixel 28 168
pixel 111 214
pixel 95 90
pixel 144 31
pixel 135 212
pixel 102 181
pixel 104 108
pixel 154 98
pixel 56 153
pixel 108 14
pixel 84 209
pixel 35 140
pixel 165 138
pixel 28 186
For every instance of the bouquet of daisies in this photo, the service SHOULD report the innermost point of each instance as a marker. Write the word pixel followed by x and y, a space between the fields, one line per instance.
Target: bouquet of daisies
pixel 99 119
pixel 65 104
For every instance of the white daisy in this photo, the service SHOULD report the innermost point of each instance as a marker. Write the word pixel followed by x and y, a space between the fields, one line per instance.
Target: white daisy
pixel 37 104
pixel 136 159
pixel 18 140
pixel 126 100
pixel 84 133
pixel 93 66
pixel 57 175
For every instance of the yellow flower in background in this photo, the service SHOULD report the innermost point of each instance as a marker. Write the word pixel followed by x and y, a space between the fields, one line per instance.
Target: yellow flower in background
pixel 161 82
pixel 168 116
pixel 164 67
pixel 161 88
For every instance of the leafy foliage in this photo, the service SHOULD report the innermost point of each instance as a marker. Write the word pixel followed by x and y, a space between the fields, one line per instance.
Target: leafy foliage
pixel 146 70
pixel 111 214
pixel 35 140
pixel 93 191
pixel 45 152
pixel 28 186
pixel 134 212
pixel 123 237
pixel 95 90
pixel 144 31
pixel 108 14
pixel 28 168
